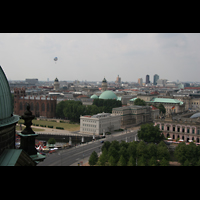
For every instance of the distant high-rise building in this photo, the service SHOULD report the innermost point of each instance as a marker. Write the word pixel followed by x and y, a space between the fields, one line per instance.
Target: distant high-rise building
pixel 118 80
pixel 155 78
pixel 147 79
pixel 140 81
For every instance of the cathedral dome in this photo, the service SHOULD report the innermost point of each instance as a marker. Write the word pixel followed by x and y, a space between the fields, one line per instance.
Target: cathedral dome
pixel 6 107
pixel 108 95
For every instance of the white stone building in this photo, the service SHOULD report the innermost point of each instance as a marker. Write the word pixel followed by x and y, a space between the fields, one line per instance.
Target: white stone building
pixel 102 122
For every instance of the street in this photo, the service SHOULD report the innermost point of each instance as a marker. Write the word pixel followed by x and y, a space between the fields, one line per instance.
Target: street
pixel 67 157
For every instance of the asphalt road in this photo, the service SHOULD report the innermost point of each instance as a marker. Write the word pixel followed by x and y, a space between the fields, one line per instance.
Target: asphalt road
pixel 67 157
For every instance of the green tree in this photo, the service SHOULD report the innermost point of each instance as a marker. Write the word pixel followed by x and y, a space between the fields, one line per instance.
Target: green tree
pixel 152 150
pixel 186 163
pixel 122 161
pixel 112 161
pixel 132 149
pixel 163 152
pixel 141 161
pixel 141 150
pixel 123 152
pixel 139 102
pixel 51 141
pixel 114 153
pixel 93 158
pixel 131 162
pixel 198 163
pixel 150 133
pixel 153 161
pixel 164 162
pixel 180 153
pixel 106 145
pixel 162 108
pixel 103 158
pixel 192 153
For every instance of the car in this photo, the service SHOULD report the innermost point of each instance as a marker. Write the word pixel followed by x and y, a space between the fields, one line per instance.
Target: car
pixel 102 141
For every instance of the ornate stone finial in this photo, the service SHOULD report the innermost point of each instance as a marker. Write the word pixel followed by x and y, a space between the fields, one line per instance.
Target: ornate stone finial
pixel 28 117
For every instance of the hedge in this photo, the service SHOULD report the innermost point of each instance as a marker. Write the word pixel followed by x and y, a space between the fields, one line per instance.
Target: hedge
pixel 50 126
pixel 60 128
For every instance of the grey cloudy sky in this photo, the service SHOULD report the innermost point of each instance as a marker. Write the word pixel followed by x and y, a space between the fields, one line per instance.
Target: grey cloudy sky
pixel 91 56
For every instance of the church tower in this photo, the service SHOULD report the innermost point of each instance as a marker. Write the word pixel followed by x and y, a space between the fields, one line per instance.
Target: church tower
pixel 104 85
pixel 56 84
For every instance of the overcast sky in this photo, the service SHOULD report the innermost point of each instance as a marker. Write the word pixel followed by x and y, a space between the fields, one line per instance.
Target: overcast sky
pixel 91 56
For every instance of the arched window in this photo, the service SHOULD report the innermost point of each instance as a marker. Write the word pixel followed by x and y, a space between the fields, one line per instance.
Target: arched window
pixel 51 107
pixel 25 105
pixel 47 107
pixel 43 107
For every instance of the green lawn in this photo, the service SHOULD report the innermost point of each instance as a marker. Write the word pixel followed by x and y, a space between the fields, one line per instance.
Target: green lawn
pixel 34 129
pixel 66 126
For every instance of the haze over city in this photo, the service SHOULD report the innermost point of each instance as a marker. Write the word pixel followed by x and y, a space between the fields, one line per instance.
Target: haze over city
pixel 91 56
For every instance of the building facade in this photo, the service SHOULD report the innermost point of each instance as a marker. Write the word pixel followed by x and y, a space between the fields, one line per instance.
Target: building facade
pixel 40 106
pixel 180 128
pixel 133 115
pixel 140 81
pixel 97 124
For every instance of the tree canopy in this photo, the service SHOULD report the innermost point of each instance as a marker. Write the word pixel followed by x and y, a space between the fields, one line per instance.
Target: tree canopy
pixel 150 133
pixel 127 153
pixel 72 110
pixel 139 102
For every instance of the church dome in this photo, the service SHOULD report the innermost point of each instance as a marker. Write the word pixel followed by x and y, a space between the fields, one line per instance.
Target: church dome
pixel 108 95
pixel 94 96
pixel 104 80
pixel 6 107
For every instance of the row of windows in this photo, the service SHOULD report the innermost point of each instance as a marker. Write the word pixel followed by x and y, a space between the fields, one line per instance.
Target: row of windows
pixel 188 130
pixel 90 125
pixel 89 129
pixel 36 106
pixel 89 121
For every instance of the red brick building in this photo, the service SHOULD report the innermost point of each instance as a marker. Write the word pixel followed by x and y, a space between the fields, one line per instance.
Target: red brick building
pixel 40 106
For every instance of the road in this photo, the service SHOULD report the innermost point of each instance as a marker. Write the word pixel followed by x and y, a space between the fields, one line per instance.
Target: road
pixel 69 156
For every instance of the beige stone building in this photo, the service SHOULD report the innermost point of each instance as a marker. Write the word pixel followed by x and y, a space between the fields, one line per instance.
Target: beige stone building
pixel 97 124
pixel 133 115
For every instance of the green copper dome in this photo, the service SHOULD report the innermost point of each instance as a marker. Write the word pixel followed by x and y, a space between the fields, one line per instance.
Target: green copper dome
pixel 6 108
pixel 94 96
pixel 108 95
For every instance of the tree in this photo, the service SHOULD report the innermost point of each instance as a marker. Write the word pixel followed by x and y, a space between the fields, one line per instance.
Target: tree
pixel 153 161
pixel 192 153
pixel 114 153
pixel 141 161
pixel 93 158
pixel 180 152
pixel 123 152
pixel 139 102
pixel 152 150
pixel 163 152
pixel 112 161
pixel 164 162
pixel 162 108
pixel 186 163
pixel 103 158
pixel 106 145
pixel 51 141
pixel 122 161
pixel 141 150
pixel 132 149
pixel 131 162
pixel 150 133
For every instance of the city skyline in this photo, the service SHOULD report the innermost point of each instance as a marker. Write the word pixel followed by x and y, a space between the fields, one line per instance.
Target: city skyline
pixel 93 56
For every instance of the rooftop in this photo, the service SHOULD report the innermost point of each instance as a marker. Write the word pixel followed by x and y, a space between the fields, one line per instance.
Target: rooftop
pixel 165 100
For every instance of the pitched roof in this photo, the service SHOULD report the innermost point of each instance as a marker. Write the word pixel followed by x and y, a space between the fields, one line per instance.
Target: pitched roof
pixel 165 100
